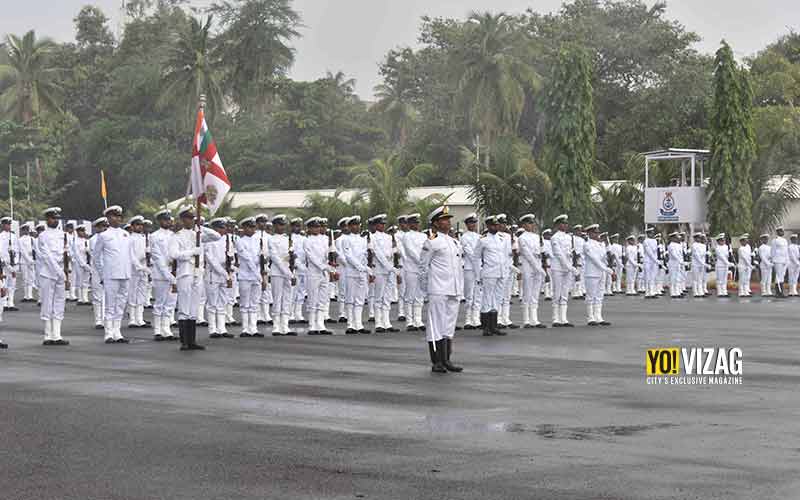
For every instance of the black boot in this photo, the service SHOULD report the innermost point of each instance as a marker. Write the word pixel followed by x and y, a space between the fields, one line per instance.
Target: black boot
pixel 182 333
pixel 438 357
pixel 192 341
pixel 487 331
pixel 493 322
pixel 448 348
pixel 432 353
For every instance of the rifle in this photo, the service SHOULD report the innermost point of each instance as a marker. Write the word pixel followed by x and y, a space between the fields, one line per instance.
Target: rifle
pixel 175 275
pixel 514 250
pixel 262 263
pixel 147 260
pixel 66 263
pixel 575 260
pixel 88 253
pixel 229 281
pixel 11 258
pixel 197 239
pixel 332 255
pixel 610 257
pixel 292 256
pixel 370 252
pixel 2 278
pixel 545 264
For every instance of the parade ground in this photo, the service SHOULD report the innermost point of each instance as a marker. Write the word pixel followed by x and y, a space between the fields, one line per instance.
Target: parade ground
pixel 552 414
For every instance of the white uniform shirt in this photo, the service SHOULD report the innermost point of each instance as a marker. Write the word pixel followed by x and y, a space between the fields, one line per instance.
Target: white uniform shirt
pixel 530 252
pixel 249 257
pixel 384 254
pixel 354 248
pixel 631 256
pixel 183 248
pixel 650 248
pixel 492 250
pixel 765 254
pixel 469 244
pixel 299 250
pixel 780 250
pixel 442 264
pixel 698 255
pixel 561 243
pixel 722 252
pixel 316 252
pixel 412 249
pixel 215 260
pixel 159 254
pixel 50 254
pixel 745 258
pixel 675 254
pixel 594 254
pixel 112 254
pixel 278 245
pixel 794 255
pixel 138 253
pixel 9 242
pixel 26 249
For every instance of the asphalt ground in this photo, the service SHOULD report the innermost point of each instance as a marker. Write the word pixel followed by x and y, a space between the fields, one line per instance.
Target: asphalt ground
pixel 552 414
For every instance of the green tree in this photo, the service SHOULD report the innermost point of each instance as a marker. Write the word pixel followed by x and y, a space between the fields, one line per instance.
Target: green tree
pixel 569 149
pixel 732 147
pixel 387 181
pixel 512 183
pixel 494 78
pixel 191 70
pixel 29 80
pixel 619 207
pixel 395 96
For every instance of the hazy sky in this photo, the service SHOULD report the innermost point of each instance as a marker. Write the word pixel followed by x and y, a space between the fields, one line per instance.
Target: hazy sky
pixel 353 35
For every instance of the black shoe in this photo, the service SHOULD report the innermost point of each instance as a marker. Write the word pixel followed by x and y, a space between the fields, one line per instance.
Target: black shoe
pixel 3 345
pixel 99 327
pixel 326 332
pixel 277 334
pixel 226 335
pixel 12 309
pixel 312 332
pixel 604 323
pixel 469 327
pixel 291 333
pixel 527 326
pixel 270 322
pixel 512 326
pixel 122 341
pixel 244 335
pixel 261 322
pixel 292 321
pixel 109 341
pixel 448 350
pixel 487 331
pixel 236 323
pixel 47 342
pixel 501 327
pixel 364 331
pixel 371 320
pixel 214 336
pixel 342 319
pixel 392 330
pixel 458 328
pixel 182 332
pixel 401 318
pixel 258 335
pixel 592 323
pixel 558 325
pixel 203 323
pixel 350 331
pixel 159 338
pixel 422 328
pixel 60 342
pixel 541 326
pixel 568 325
pixel 192 340
pixel 330 320
pixel 380 329
pixel 412 329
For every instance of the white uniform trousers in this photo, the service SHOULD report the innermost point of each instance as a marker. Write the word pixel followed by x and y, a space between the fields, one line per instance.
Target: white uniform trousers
pixel 53 297
pixel 189 290
pixel 98 299
pixel 531 289
pixel 492 297
pixel 794 273
pixel 472 301
pixel 116 294
pixel 722 281
pixel 766 280
pixel 317 289
pixel 780 272
pixel 414 299
pixel 281 296
pixel 744 280
pixel 563 281
pixel 442 316
pixel 698 285
pixel 356 296
pixel 11 287
pixel 341 287
pixel 383 299
pixel 674 279
pixel 630 279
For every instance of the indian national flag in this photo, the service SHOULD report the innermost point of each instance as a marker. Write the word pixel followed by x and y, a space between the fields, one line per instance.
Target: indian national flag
pixel 209 182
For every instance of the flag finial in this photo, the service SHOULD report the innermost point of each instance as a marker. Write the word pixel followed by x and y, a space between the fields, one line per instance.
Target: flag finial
pixel 202 101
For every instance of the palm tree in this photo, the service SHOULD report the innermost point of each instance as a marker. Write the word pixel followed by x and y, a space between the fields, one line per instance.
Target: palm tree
pixel 619 207
pixel 28 80
pixel 512 184
pixel 387 182
pixel 346 86
pixel 494 77
pixel 190 71
pixel 394 104
pixel 333 207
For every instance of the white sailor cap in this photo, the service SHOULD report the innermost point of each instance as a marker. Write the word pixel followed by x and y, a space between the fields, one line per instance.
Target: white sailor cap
pixel 148 222
pixel 720 236
pixel 631 237
pixel 54 212
pixel 413 218
pixel 699 235
pixel 519 231
pixel 577 227
pixel 28 225
pixel 591 227
pixel 296 220
pixel 126 227
pixel 356 219
pixel 186 211
pixel 323 221
pixel 547 231
pixel 100 221
pixel 41 225
pixel 113 210
pixel 438 213
pixel 527 218
pixel 262 218
pixel 471 218
pixel 163 215
pixel 779 228
pixel 604 233
pixel 6 220
pixel 615 235
pixel 248 221
pixel 218 222
pixel 745 236
pixel 343 221
pixel 673 233
pixel 501 218
pixel 793 236
pixel 658 236
pixel 313 222
pixel 649 229
pixel 279 219
pixel 136 219
pixel 765 235
pixel 378 219
pixel 561 219
pixel 492 219
pixel 401 219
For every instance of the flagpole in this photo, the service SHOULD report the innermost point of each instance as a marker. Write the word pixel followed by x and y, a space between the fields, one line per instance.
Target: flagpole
pixel 103 189
pixel 11 190
pixel 197 197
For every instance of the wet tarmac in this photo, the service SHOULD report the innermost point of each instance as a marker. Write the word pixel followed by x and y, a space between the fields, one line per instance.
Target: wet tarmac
pixel 552 414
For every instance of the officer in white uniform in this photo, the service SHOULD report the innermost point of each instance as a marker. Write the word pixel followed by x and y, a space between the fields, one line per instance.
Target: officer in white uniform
pixel 52 248
pixel 595 270
pixel 385 273
pixel 765 266
pixel 563 270
pixel 340 263
pixel 137 285
pixel 442 269
pixel 632 266
pixel 72 293
pixel 794 265
pixel 722 264
pixel 651 264
pixel 616 250
pixel 98 295
pixel 674 264
pixel 9 253
pixel 249 250
pixel 547 250
pixel 263 234
pixel 745 265
pixel 82 259
pixel 113 255
pixel 400 234
pixel 472 271
pixel 358 273
pixel 281 277
pixel 578 241
pixel 218 277
pixel 319 271
pixel 185 249
pixel 493 251
pixel 699 265
pixel 163 278
pixel 414 296
pixel 533 274
pixel 299 290
pixel 27 262
pixel 780 260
